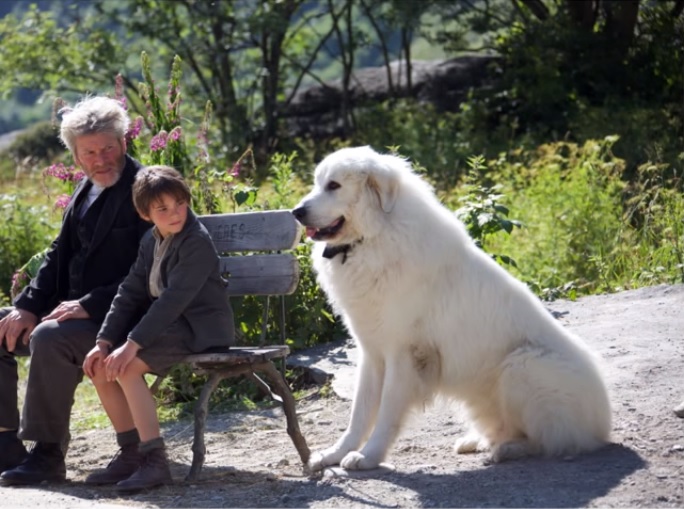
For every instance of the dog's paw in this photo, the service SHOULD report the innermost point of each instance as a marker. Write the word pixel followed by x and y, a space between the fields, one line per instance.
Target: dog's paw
pixel 512 450
pixel 357 461
pixel 321 459
pixel 470 443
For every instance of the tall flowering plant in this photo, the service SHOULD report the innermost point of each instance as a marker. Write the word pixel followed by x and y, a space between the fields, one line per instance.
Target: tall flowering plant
pixel 166 142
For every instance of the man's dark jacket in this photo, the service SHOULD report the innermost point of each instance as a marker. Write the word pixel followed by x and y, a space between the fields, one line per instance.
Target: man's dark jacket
pixel 109 257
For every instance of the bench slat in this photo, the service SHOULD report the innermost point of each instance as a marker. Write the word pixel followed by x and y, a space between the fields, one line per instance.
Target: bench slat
pixel 269 230
pixel 238 355
pixel 274 274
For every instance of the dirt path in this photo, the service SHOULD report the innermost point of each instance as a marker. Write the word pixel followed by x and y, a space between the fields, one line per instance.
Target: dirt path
pixel 251 463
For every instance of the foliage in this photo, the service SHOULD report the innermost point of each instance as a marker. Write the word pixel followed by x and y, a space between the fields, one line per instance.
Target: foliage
pixel 482 212
pixel 581 232
pixel 23 228
pixel 421 133
pixel 554 72
pixel 40 54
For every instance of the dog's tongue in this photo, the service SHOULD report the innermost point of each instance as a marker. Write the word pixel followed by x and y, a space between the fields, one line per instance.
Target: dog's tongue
pixel 310 232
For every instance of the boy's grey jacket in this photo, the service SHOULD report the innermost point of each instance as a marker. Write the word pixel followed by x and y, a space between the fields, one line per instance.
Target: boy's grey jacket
pixel 193 291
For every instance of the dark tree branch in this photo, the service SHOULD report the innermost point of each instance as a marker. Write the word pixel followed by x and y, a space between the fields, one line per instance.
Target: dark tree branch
pixel 537 8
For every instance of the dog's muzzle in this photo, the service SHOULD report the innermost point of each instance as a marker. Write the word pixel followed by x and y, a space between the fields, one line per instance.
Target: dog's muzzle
pixel 327 232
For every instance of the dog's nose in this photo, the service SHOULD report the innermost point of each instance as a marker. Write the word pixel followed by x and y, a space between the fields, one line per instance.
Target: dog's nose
pixel 299 213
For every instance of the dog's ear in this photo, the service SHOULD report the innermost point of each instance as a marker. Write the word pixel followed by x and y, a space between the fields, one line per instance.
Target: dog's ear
pixel 385 185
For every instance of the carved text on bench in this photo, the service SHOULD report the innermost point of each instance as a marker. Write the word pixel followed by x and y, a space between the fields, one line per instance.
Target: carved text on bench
pixel 235 231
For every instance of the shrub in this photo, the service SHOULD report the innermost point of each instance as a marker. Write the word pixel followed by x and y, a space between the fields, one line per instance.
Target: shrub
pixel 24 229
pixel 579 232
pixel 37 144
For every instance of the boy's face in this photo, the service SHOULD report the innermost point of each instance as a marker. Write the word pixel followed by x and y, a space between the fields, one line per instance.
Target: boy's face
pixel 168 214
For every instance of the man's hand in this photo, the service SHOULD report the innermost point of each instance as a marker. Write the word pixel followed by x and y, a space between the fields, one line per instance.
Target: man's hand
pixel 67 310
pixel 119 359
pixel 16 323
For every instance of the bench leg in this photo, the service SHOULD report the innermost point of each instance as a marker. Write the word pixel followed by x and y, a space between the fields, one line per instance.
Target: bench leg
pixel 198 448
pixel 281 389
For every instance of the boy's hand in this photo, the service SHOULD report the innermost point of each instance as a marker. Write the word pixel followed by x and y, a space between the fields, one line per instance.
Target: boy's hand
pixel 94 360
pixel 119 359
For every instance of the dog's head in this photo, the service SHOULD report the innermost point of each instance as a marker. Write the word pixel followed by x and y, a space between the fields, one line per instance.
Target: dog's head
pixel 355 189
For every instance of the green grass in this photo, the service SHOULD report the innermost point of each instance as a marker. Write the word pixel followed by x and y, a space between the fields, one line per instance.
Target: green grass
pixel 584 230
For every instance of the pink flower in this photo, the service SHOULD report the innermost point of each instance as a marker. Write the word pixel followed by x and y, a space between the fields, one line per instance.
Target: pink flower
pixel 134 130
pixel 58 171
pixel 62 201
pixel 77 176
pixel 158 142
pixel 235 170
pixel 175 133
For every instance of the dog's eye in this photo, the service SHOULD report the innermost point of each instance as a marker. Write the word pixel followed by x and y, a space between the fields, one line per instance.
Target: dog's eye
pixel 332 185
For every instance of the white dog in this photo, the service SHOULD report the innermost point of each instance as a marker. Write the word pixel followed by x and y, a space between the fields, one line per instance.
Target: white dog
pixel 433 314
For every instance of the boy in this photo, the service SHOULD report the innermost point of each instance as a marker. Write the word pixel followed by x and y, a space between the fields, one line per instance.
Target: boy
pixel 175 282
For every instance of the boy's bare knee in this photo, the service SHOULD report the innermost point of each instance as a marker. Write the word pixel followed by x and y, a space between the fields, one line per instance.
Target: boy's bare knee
pixel 100 377
pixel 135 370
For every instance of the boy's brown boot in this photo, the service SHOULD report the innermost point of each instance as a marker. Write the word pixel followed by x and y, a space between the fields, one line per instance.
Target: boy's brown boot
pixel 153 471
pixel 121 467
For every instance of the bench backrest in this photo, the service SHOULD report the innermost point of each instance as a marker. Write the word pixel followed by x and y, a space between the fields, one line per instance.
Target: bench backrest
pixel 260 236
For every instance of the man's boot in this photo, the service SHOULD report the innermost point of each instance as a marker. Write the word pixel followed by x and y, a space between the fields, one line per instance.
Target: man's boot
pixel 12 450
pixel 153 471
pixel 45 463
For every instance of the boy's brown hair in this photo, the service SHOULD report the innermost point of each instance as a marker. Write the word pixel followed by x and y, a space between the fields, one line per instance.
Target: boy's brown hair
pixel 152 182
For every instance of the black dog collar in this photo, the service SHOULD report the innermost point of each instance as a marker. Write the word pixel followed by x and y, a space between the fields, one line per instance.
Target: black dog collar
pixel 331 252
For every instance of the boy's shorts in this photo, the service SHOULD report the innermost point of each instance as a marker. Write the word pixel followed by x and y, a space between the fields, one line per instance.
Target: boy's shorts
pixel 168 348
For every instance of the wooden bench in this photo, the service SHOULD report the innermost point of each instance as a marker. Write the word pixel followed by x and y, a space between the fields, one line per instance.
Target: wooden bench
pixel 262 270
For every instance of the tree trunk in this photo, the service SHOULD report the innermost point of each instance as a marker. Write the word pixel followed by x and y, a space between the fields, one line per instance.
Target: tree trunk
pixel 621 20
pixel 583 13
pixel 271 52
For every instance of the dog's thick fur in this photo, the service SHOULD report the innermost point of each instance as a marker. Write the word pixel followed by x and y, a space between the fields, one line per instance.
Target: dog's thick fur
pixel 434 315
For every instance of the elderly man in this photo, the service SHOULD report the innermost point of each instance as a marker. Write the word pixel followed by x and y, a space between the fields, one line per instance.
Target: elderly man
pixel 56 317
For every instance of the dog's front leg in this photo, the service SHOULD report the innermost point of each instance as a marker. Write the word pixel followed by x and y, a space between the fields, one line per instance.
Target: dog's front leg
pixel 364 411
pixel 398 394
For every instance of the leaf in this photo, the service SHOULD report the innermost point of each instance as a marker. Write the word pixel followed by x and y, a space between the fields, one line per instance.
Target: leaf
pixel 484 218
pixel 245 196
